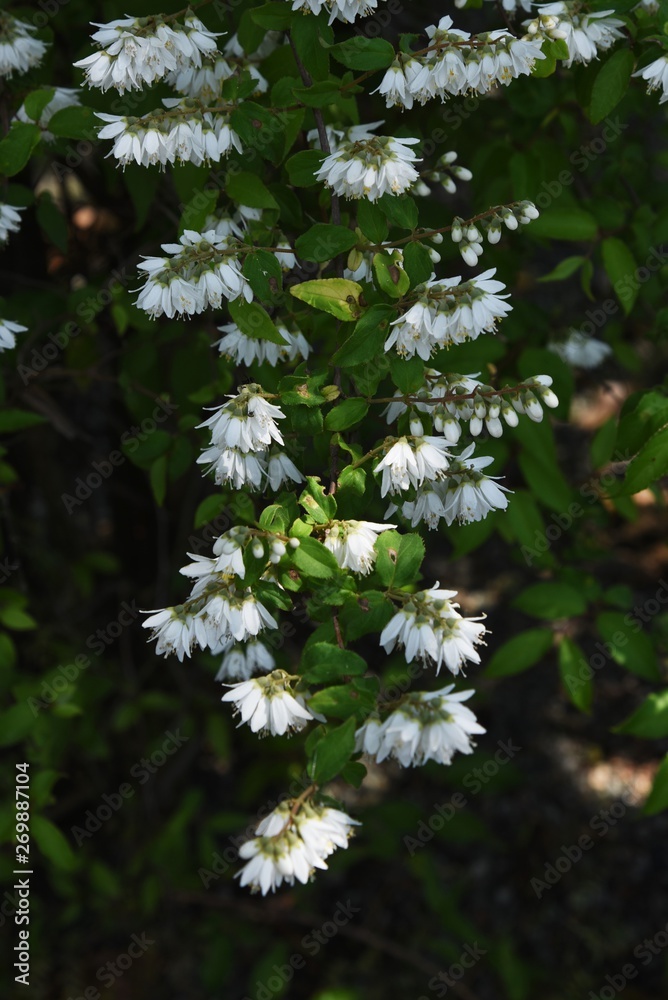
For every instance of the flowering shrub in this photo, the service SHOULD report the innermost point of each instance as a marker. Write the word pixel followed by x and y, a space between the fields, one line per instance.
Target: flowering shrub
pixel 358 375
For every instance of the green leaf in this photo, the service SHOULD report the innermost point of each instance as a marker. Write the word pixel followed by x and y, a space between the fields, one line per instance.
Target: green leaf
pixel 355 699
pixel 353 479
pixel 320 94
pixel 51 843
pixel 610 84
pixel 17 146
pixel 52 221
pixel 303 166
pixel 650 719
pixel 253 320
pixel 75 123
pixel 313 560
pixel 209 509
pixel 332 752
pixel 346 414
pixel 274 16
pixel 247 189
pixel 368 612
pixel 407 373
pixel 197 209
pixel 297 391
pixel 576 679
pixel 323 242
pixel 36 101
pixel 400 210
pixel 371 220
pixel 621 268
pixel 354 773
pixel 336 296
pixel 567 223
pixel 323 663
pixel 419 265
pixel 16 619
pixel 399 558
pixel 158 478
pixel 551 600
pixel 650 464
pixel 18 420
pixel 520 653
pixel 16 723
pixel 319 505
pixel 308 35
pixel 275 518
pixel 390 275
pixel 259 129
pixel 627 644
pixel 360 52
pixel 368 338
pixel 564 269
pixel 264 274
pixel 657 799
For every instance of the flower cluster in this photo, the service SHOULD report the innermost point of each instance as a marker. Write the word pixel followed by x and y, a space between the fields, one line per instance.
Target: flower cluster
pixel 242 660
pixel 455 63
pixel 410 462
pixel 184 133
pixel 353 543
pixel 8 331
pixel 134 51
pixel 581 351
pixel 585 33
pixel 429 628
pixel 339 10
pixel 63 97
pixel 469 235
pixel 19 51
pixel 427 726
pixel 268 705
pixel 203 270
pixel 448 311
pixel 10 221
pixel 452 399
pixel 291 842
pixel 242 433
pixel 370 167
pixel 446 173
pixel 247 350
pixel 656 77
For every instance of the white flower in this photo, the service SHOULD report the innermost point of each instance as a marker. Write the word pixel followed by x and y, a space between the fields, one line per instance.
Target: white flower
pixel 202 271
pixel 247 422
pixel 341 10
pixel 281 469
pixel 353 543
pixel 395 88
pixel 581 351
pixel 471 495
pixel 64 97
pixel 409 464
pixel 449 311
pixel 338 136
pixel 177 631
pixel 233 467
pixel 19 51
pixel 10 221
pixel 292 842
pixel 203 82
pixel 370 168
pixel 242 660
pixel 246 350
pixel 427 726
pixel 8 331
pixel 656 76
pixel 585 34
pixel 267 705
pixel 430 628
pixel 131 53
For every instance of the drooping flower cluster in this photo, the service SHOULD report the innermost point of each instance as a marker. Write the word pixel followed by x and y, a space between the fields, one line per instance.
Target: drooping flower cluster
pixel 291 842
pixel 581 351
pixel 135 51
pixel 242 660
pixel 247 350
pixel 448 311
pixel 469 235
pixel 585 33
pixel 10 221
pixel 427 726
pixel 203 269
pixel 452 399
pixel 456 62
pixel 205 81
pixel 370 167
pixel 183 133
pixel 19 51
pixel 429 628
pixel 63 97
pixel 242 433
pixel 352 543
pixel 8 331
pixel 656 77
pixel 339 10
pixel 410 462
pixel 268 705
pixel 338 136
